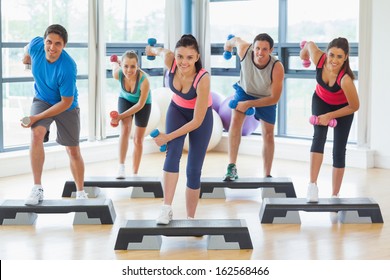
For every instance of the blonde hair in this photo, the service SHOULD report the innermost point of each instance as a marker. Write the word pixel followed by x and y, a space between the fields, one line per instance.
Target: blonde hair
pixel 130 54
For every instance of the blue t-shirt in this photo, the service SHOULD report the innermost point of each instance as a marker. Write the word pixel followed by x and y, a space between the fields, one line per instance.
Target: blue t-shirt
pixel 53 80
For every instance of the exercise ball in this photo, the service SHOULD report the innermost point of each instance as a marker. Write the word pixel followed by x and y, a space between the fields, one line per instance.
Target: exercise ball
pixel 225 112
pixel 216 134
pixel 249 126
pixel 217 100
pixel 162 96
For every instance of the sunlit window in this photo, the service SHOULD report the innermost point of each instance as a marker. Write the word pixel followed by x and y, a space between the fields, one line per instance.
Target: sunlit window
pixel 22 20
pixel 132 22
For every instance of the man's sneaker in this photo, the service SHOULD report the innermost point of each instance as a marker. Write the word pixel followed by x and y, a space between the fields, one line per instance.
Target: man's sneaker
pixel 231 174
pixel 165 215
pixel 334 216
pixel 35 196
pixel 312 193
pixel 81 195
pixel 121 172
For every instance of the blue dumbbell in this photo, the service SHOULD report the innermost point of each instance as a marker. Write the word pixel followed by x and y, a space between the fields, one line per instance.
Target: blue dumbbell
pixel 233 104
pixel 151 42
pixel 154 134
pixel 226 54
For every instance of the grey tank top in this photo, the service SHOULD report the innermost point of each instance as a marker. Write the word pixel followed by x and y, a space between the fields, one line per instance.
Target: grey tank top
pixel 256 81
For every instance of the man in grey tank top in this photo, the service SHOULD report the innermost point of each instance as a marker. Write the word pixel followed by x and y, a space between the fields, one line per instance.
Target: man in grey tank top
pixel 260 86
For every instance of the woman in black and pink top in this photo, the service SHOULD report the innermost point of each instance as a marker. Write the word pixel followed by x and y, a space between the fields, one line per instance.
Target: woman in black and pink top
pixel 190 112
pixel 335 97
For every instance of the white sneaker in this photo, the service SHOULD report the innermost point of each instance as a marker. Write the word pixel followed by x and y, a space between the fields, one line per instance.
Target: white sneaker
pixel 81 195
pixel 312 192
pixel 35 196
pixel 121 172
pixel 165 215
pixel 334 216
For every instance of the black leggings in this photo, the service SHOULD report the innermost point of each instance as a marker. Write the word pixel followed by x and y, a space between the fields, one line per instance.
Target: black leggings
pixel 340 134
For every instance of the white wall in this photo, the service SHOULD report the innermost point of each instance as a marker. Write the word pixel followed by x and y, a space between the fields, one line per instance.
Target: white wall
pixel 380 85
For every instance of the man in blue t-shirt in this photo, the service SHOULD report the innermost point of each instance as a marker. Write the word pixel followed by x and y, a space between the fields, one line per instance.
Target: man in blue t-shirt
pixel 56 99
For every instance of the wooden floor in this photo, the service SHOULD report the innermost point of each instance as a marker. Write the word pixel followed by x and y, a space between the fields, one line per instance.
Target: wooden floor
pixel 53 237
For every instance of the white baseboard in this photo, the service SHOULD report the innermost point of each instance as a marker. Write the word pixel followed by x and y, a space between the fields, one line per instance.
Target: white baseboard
pixel 18 162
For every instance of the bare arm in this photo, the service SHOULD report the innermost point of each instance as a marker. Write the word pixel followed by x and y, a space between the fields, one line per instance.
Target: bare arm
pixel 236 42
pixel 26 56
pixel 311 51
pixel 116 66
pixel 167 55
pixel 54 110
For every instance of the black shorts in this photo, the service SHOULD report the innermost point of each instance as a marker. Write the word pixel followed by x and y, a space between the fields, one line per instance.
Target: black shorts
pixel 141 118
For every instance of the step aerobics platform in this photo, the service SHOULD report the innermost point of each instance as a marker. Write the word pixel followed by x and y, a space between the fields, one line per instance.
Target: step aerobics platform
pixel 350 210
pixel 87 211
pixel 213 187
pixel 142 186
pixel 222 234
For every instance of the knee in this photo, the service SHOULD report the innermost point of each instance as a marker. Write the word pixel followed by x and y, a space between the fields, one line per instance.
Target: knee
pixel 193 179
pixel 125 129
pixel 339 160
pixel 138 141
pixel 74 153
pixel 268 137
pixel 37 134
pixel 172 162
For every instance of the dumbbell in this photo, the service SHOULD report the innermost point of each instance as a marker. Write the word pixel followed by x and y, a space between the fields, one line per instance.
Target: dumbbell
pixel 314 121
pixel 306 62
pixel 151 42
pixel 114 58
pixel 233 104
pixel 114 115
pixel 226 54
pixel 26 121
pixel 155 133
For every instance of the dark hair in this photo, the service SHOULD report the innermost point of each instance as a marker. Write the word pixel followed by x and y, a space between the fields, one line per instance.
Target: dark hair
pixel 264 37
pixel 343 44
pixel 187 40
pixel 57 29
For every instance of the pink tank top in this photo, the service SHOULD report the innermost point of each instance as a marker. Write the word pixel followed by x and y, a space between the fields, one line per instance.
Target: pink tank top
pixel 333 95
pixel 186 100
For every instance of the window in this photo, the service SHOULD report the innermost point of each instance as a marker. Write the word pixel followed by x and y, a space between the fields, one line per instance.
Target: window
pixel 129 24
pixel 288 22
pixel 21 20
pixel 245 19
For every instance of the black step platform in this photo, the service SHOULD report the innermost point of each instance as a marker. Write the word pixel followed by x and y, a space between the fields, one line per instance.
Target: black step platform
pixel 213 187
pixel 87 211
pixel 142 186
pixel 222 234
pixel 351 210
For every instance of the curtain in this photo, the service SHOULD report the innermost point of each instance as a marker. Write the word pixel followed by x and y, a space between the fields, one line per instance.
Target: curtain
pixel 96 71
pixel 172 23
pixel 201 30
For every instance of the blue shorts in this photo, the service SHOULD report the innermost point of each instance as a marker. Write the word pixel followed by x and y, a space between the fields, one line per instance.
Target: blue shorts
pixel 267 113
